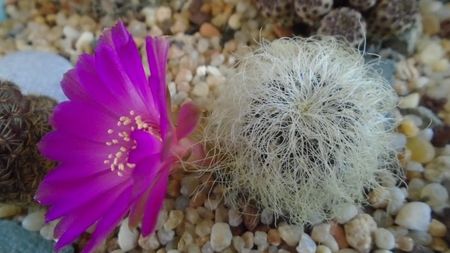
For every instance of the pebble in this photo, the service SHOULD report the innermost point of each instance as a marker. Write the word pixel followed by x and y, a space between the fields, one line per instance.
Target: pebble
pixel 248 238
pixel 2 10
pixel 306 245
pixel 408 128
pixel 163 14
pixel 203 228
pixel 405 243
pixel 84 42
pixel 234 217
pixel 379 197
pixel 250 217
pixel 220 236
pixel 382 218
pixel 345 213
pixel 207 248
pixel 266 217
pixel 421 150
pixel 260 240
pixel 347 251
pixel 149 243
pixel 420 237
pixel 200 89
pixel 322 249
pixel 397 198
pixel 359 232
pixel 384 239
pixel 48 229
pixel 35 72
pixel 290 234
pixel 127 238
pixel 165 236
pixel 235 21
pixel 434 194
pixel 192 215
pixel 8 210
pixel 439 245
pixel 238 243
pixel 415 216
pixel 34 221
pixel 208 30
pixel 273 237
pixel 431 53
pixel 437 228
pixel 409 101
pixel 175 219
pixel 185 240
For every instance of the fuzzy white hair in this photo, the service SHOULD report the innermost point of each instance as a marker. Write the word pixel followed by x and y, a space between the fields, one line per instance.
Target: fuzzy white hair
pixel 302 126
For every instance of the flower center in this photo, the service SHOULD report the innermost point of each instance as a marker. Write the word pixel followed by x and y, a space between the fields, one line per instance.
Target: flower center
pixel 120 137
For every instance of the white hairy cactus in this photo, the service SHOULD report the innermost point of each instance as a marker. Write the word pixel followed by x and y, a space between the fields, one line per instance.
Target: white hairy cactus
pixel 301 126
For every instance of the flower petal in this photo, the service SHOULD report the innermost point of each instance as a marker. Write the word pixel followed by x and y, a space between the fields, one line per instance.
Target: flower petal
pixel 146 145
pixel 83 218
pixel 75 194
pixel 83 121
pixel 157 49
pixel 131 62
pixel 54 146
pixel 109 220
pixel 188 117
pixel 155 202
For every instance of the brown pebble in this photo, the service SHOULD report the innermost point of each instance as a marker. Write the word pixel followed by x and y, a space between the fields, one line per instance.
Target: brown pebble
pixel 173 188
pixel 337 231
pixel 445 28
pixel 439 245
pixel 198 200
pixel 209 31
pixel 273 236
pixel 434 104
pixel 405 243
pixel 441 136
pixel 250 217
pixel 437 228
pixel 281 31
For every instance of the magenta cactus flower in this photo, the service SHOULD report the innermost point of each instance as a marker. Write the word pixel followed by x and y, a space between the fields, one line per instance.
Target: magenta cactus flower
pixel 114 141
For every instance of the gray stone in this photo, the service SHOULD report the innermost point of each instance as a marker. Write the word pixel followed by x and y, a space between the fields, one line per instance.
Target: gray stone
pixel 2 10
pixel 36 72
pixel 15 239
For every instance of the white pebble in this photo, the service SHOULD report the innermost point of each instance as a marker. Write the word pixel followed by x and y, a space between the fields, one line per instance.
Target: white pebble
pixel 323 249
pixel 238 243
pixel 164 236
pixel 127 238
pixel 266 217
pixel 321 232
pixel 207 248
pixel 306 245
pixel 415 216
pixel 290 234
pixel 358 232
pixel 234 217
pixel 149 243
pixel 384 239
pixel 345 212
pixel 175 219
pixel 431 53
pixel 220 236
pixel 434 194
pixel 163 13
pixel 34 221
pixel 48 229
pixel 396 200
pixel 261 240
pixel 414 188
pixel 235 21
pixel 200 89
pixel 410 101
pixel 84 42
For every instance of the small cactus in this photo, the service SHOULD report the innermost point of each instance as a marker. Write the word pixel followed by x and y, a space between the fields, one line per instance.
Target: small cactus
pixel 362 5
pixel 344 23
pixel 310 11
pixel 23 121
pixel 279 10
pixel 302 126
pixel 393 17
